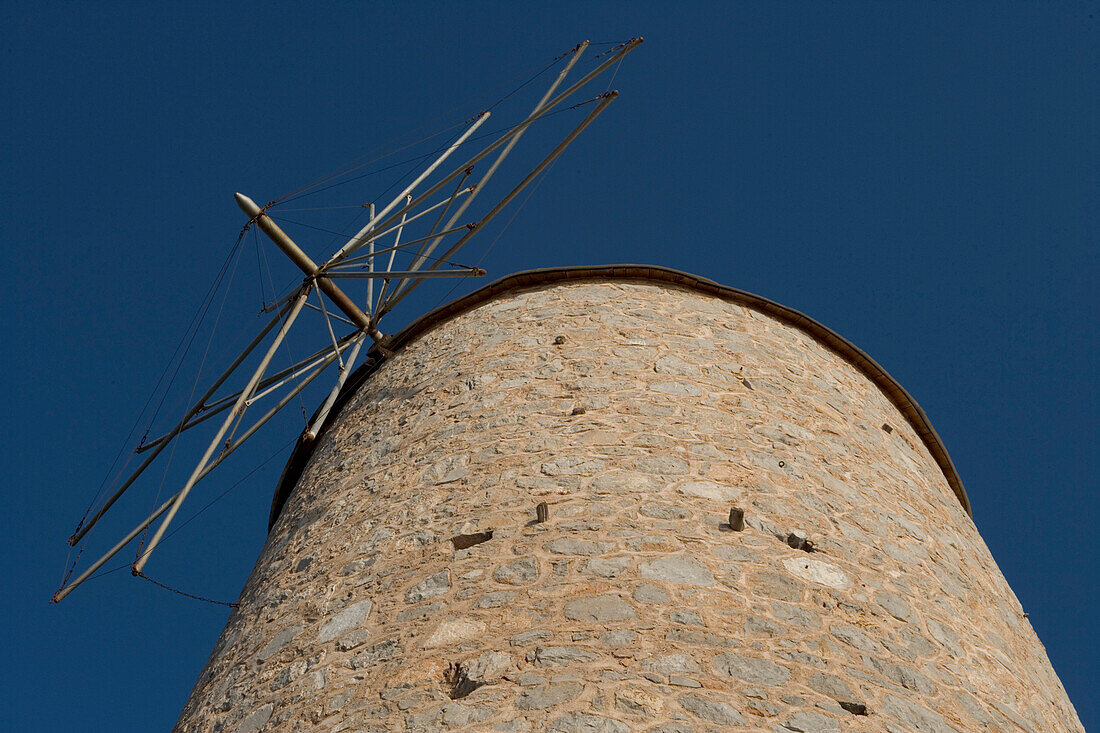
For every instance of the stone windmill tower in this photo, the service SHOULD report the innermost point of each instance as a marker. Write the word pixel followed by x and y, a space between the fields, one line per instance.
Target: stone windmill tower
pixel 625 498
pixel 592 500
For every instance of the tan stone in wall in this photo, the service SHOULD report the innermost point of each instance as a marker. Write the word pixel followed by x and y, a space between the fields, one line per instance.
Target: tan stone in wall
pixel 407 586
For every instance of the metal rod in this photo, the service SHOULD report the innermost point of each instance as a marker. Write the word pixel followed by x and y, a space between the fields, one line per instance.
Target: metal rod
pixel 397 239
pixel 471 272
pixel 302 260
pixel 627 48
pixel 608 99
pixel 327 352
pixel 328 323
pixel 295 369
pixel 337 316
pixel 60 595
pixel 347 264
pixel 370 283
pixel 269 414
pixel 238 409
pixel 352 243
pixel 345 370
pixel 281 301
pixel 382 296
pixel 435 227
pixel 378 234
pixel 499 160
pixel 439 220
pixel 397 243
pixel 420 250
pixel 630 46
pixel 179 428
pixel 224 403
pixel 164 507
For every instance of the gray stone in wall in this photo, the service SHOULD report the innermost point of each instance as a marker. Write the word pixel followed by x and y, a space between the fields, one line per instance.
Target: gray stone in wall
pixel 677 569
pixel 281 639
pixel 570 546
pixel 712 710
pixel 812 723
pixel 560 655
pixel 256 720
pixel 830 685
pixel 601 609
pixel 895 605
pixel 519 572
pixel 582 723
pixel 545 696
pixel 751 669
pixel 347 620
pixel 780 587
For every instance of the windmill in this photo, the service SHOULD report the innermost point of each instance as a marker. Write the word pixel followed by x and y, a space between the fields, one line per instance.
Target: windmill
pixel 437 203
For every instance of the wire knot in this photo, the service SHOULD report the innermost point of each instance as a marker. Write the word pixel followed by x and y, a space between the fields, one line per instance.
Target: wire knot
pixel 261 212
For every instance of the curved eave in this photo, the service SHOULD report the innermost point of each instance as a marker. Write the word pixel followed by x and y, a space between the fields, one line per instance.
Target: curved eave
pixel 639 273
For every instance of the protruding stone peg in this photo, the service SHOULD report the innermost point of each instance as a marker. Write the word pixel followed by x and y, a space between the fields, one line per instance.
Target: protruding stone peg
pixel 737 518
pixel 855 708
pixel 542 512
pixel 463 541
pixel 559 340
pixel 798 540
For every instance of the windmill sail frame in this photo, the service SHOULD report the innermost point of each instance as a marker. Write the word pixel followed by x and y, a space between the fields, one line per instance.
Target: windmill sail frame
pixel 322 280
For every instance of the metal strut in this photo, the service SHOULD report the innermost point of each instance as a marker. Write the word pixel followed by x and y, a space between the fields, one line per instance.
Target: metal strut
pixel 237 410
pixel 392 218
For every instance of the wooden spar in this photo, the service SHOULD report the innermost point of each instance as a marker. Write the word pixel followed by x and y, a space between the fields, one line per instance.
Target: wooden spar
pixel 354 243
pixel 396 285
pixel 414 279
pixel 386 275
pixel 370 283
pixel 238 409
pixel 305 264
pixel 180 427
pixel 479 186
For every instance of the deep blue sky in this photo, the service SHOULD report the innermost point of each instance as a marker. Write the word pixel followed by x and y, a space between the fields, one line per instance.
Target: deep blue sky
pixel 923 179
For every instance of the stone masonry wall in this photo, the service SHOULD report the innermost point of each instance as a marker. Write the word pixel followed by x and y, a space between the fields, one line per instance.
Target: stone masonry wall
pixel 408 586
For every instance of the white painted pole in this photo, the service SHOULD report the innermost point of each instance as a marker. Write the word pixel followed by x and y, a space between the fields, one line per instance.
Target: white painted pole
pixel 268 384
pixel 322 415
pixel 398 296
pixel 353 243
pixel 59 595
pixel 270 414
pixel 328 324
pixel 630 46
pixel 433 233
pixel 465 272
pixel 393 252
pixel 179 428
pixel 238 409
pixel 496 163
pixel 378 234
pixel 352 262
pixel 397 239
pixel 370 283
pixel 334 316
pixel 327 357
